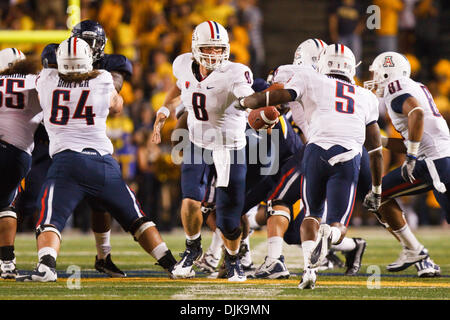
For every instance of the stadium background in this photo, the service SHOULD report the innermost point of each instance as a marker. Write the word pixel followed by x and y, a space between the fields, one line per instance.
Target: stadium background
pixel 263 34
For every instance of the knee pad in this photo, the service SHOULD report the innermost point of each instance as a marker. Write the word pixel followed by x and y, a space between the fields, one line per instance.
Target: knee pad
pixel 8 212
pixel 139 226
pixel 47 228
pixel 271 212
pixel 232 235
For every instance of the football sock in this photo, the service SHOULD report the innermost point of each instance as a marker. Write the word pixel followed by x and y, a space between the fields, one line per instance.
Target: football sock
pixel 47 256
pixel 159 251
pixel 232 252
pixel 335 234
pixel 308 247
pixel 215 247
pixel 7 253
pixel 251 216
pixel 194 237
pixel 274 247
pixel 103 244
pixel 167 261
pixel 347 244
pixel 407 238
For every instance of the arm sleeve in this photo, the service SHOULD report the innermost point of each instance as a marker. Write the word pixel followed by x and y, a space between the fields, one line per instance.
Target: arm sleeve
pixel 243 81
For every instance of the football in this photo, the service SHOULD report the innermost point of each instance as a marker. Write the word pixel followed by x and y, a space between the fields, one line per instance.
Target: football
pixel 263 118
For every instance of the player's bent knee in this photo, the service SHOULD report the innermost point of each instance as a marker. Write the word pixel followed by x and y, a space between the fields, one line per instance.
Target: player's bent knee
pixel 139 226
pixel 47 228
pixel 8 212
pixel 231 235
pixel 277 212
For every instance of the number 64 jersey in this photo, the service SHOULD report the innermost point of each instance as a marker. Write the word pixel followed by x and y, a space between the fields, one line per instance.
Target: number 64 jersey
pixel 212 120
pixel 337 112
pixel 75 113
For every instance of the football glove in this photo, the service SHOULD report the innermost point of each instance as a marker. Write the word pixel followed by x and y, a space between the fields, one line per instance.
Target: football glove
pixel 372 201
pixel 408 168
pixel 239 104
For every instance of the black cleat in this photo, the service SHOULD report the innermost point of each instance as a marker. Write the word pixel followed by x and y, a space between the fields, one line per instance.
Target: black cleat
pixel 107 266
pixel 353 258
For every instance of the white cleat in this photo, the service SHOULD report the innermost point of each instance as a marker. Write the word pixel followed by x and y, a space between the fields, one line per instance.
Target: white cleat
pixel 320 250
pixel 208 263
pixel 308 279
pixel 427 268
pixel 8 269
pixel 42 273
pixel 407 258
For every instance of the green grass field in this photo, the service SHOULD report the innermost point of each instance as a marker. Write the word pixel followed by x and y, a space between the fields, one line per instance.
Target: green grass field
pixel 148 281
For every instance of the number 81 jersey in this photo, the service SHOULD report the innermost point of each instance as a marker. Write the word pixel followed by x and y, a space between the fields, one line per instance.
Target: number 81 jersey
pixel 75 113
pixel 435 143
pixel 212 120
pixel 20 112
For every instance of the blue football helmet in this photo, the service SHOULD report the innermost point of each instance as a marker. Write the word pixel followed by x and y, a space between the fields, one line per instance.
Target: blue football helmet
pixel 93 33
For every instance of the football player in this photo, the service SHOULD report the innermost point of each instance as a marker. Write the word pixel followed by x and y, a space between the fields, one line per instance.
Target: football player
pixel 209 84
pixel 20 114
pixel 341 117
pixel 426 142
pixel 76 100
pixel 120 68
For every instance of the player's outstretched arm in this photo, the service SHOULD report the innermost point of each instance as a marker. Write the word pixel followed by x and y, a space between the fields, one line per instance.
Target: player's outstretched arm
pixel 268 98
pixel 373 145
pixel 116 103
pixel 164 112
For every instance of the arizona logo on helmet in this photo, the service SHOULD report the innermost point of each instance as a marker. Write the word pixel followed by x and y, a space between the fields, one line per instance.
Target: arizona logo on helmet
pixel 388 62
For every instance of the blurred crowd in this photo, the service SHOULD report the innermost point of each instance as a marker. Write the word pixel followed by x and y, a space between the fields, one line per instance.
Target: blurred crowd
pixel 151 33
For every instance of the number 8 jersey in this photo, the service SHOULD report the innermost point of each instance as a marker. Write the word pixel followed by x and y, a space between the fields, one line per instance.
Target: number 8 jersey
pixel 75 113
pixel 435 143
pixel 212 120
pixel 20 112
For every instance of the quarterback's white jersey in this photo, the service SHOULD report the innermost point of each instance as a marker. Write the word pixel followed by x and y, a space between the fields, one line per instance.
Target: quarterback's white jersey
pixel 212 120
pixel 75 113
pixel 20 112
pixel 337 112
pixel 435 141
pixel 282 75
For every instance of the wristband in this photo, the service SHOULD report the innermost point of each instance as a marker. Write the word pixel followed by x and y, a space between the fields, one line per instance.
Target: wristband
pixel 376 189
pixel 165 111
pixel 413 148
pixel 267 98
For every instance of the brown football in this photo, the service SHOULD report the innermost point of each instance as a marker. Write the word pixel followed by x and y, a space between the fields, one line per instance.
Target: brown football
pixel 263 118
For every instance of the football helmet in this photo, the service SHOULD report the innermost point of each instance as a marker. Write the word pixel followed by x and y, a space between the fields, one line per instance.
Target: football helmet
pixel 337 59
pixel 210 34
pixel 93 33
pixel 8 56
pixel 386 67
pixel 308 52
pixel 74 55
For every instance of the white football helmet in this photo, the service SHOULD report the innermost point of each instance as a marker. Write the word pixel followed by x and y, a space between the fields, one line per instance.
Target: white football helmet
pixel 385 67
pixel 210 34
pixel 8 56
pixel 74 55
pixel 308 52
pixel 337 59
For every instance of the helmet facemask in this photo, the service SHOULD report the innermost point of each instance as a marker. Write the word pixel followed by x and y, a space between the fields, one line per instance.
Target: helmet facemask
pixel 211 61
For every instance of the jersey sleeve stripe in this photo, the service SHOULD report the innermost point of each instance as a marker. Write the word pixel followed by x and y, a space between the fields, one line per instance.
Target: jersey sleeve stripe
pixel 397 102
pixel 371 122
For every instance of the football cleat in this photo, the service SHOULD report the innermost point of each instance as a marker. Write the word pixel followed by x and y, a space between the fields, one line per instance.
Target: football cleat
pixel 407 258
pixel 353 258
pixel 235 272
pixel 426 268
pixel 309 278
pixel 107 266
pixel 272 269
pixel 323 242
pixel 208 263
pixel 183 268
pixel 331 261
pixel 8 269
pixel 246 258
pixel 42 273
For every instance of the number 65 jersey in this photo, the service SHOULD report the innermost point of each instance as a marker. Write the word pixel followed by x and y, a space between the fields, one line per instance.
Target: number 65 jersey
pixel 337 112
pixel 75 113
pixel 435 143
pixel 20 112
pixel 212 120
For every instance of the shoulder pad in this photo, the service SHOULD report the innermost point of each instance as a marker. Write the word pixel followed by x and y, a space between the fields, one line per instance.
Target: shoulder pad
pixel 117 63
